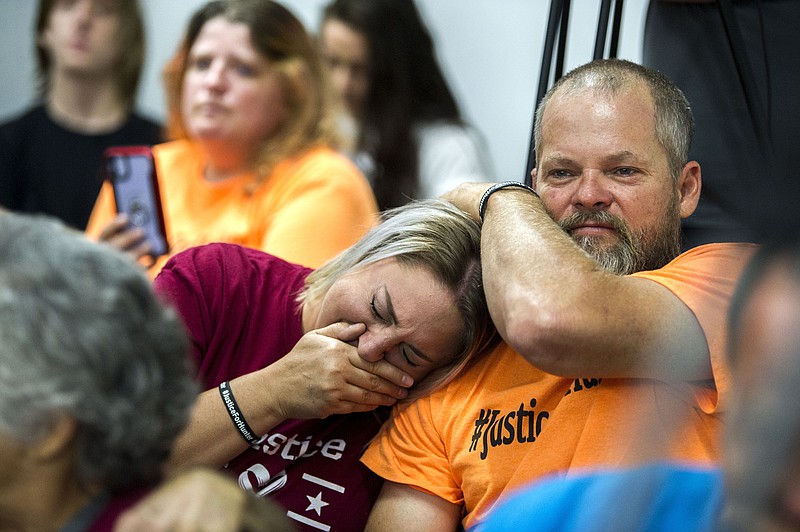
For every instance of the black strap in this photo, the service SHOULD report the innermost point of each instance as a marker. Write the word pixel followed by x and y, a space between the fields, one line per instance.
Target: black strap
pixel 602 29
pixel 615 29
pixel 556 40
pixel 557 22
pixel 562 42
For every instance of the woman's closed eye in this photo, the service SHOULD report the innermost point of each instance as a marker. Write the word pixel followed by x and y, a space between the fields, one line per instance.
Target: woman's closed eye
pixel 404 349
pixel 374 308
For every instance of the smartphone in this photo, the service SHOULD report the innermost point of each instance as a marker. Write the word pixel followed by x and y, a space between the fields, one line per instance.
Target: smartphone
pixel 132 173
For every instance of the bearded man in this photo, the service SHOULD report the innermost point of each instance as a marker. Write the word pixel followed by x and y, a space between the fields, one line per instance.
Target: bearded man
pixel 614 344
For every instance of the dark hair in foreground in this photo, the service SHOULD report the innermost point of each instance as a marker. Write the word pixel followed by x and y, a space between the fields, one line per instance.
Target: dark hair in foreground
pixel 778 250
pixel 82 335
pixel 407 86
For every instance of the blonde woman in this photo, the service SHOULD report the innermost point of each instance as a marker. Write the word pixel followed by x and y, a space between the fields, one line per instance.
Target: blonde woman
pixel 300 367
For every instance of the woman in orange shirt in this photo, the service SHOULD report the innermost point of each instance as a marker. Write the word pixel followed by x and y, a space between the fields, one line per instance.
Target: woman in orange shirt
pixel 254 162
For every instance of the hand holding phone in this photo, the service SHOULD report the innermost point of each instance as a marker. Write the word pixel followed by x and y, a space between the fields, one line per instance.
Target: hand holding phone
pixel 132 173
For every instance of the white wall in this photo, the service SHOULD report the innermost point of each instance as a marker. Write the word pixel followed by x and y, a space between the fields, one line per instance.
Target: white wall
pixel 491 51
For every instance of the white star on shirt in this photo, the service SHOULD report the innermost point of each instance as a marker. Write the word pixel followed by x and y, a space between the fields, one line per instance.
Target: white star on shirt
pixel 316 503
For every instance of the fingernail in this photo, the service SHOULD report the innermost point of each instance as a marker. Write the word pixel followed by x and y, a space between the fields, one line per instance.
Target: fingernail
pixel 407 381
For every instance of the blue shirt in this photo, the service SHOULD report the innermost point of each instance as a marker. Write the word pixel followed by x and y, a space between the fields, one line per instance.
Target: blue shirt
pixel 656 497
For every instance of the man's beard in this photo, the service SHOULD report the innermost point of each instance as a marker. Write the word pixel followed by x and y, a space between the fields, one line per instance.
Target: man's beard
pixel 635 251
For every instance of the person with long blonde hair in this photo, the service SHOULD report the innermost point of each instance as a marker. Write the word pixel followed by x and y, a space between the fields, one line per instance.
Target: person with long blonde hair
pixel 299 366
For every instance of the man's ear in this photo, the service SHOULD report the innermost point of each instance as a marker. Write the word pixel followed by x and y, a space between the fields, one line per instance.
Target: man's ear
pixel 533 178
pixel 690 182
pixel 56 442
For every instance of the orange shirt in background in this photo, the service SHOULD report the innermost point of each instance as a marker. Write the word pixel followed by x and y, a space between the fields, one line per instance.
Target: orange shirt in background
pixel 311 207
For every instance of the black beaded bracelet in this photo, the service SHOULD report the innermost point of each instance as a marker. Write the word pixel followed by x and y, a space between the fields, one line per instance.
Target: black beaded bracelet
pixel 236 415
pixel 499 186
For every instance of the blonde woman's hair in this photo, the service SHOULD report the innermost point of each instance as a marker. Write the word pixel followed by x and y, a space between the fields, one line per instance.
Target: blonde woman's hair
pixel 436 236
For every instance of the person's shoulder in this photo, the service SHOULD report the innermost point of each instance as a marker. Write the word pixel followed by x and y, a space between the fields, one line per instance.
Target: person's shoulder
pixel 33 112
pixel 26 119
pixel 144 126
pixel 325 156
pixel 738 252
pixel 323 165
pixel 501 364
pixel 18 133
pixel 205 255
pixel 179 150
pixel 720 247
pixel 716 262
pixel 225 261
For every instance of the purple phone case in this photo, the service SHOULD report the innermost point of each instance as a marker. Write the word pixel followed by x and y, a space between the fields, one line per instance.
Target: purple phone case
pixel 132 173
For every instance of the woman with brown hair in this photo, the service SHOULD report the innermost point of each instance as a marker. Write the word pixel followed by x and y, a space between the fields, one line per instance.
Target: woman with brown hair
pixel 254 162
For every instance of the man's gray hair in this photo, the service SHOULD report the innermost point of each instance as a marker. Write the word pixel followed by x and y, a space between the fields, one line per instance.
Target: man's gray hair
pixel 83 335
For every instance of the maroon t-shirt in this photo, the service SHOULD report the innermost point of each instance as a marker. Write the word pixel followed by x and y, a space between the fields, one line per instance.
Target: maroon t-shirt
pixel 239 307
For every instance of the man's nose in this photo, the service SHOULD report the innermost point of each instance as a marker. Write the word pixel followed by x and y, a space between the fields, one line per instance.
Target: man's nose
pixel 591 191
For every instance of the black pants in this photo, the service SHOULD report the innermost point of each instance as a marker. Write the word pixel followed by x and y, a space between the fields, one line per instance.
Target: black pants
pixel 687 42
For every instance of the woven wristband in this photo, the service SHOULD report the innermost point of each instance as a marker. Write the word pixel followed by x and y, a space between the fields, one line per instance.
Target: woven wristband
pixel 500 186
pixel 236 415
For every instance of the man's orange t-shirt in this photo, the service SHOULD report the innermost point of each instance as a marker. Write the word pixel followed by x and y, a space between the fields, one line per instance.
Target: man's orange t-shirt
pixel 504 423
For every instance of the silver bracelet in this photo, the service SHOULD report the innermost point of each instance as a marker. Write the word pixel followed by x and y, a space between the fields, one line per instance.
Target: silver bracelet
pixel 500 186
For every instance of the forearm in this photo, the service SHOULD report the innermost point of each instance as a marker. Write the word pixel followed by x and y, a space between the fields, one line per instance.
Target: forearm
pixel 535 277
pixel 555 306
pixel 211 437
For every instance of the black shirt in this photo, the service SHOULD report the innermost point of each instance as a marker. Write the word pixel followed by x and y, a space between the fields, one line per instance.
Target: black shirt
pixel 45 168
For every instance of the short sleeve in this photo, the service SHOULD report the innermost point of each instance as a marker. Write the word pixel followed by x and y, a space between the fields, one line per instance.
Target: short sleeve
pixel 704 279
pixel 411 451
pixel 325 207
